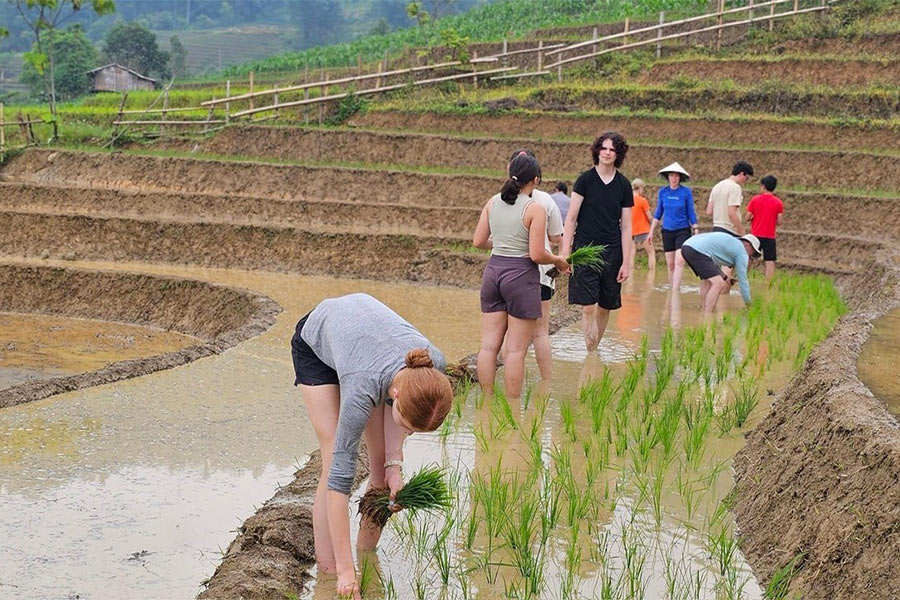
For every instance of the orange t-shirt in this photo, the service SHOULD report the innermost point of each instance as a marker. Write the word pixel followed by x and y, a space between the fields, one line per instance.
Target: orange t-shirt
pixel 639 222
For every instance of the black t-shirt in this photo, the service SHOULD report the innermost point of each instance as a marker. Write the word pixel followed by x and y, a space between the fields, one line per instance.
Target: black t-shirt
pixel 600 216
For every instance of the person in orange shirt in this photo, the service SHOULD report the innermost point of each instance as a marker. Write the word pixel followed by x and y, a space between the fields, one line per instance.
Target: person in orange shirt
pixel 640 225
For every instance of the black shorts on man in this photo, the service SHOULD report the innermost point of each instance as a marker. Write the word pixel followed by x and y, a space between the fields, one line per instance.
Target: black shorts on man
pixel 702 265
pixel 767 245
pixel 673 239
pixel 588 286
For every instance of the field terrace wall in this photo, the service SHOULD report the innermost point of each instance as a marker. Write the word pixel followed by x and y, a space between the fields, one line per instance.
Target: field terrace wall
pixel 218 316
pixel 802 168
pixel 819 476
pixel 684 129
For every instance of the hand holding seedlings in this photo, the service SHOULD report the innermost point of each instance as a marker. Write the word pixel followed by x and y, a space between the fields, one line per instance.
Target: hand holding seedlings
pixel 393 476
pixel 427 490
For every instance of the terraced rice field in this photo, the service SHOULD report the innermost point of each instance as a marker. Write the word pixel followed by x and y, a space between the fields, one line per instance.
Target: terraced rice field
pixel 256 219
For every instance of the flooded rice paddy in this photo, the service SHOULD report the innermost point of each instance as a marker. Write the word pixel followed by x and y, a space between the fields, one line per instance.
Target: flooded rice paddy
pixel 879 358
pixel 133 489
pixel 42 346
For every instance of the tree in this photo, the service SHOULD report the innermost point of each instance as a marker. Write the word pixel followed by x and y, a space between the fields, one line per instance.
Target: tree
pixel 320 22
pixel 43 17
pixel 134 46
pixel 178 57
pixel 76 56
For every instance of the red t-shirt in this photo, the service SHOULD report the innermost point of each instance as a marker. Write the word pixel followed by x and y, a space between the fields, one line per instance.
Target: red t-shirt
pixel 765 209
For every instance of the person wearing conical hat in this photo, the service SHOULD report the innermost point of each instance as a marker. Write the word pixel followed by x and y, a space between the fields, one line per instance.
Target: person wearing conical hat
pixel 675 212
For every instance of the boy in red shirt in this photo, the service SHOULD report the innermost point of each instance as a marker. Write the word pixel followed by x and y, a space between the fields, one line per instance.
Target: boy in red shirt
pixel 764 212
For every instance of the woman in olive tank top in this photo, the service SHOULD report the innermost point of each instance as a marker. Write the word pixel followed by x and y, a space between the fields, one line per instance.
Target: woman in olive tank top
pixel 512 226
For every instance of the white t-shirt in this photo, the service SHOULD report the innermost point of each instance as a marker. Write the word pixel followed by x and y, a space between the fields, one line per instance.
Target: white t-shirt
pixel 724 194
pixel 554 227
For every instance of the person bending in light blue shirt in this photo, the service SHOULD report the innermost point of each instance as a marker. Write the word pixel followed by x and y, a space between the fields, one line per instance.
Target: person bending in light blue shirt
pixel 708 252
pixel 675 209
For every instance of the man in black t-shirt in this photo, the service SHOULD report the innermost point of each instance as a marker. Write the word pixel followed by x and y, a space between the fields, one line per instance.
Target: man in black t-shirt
pixel 600 213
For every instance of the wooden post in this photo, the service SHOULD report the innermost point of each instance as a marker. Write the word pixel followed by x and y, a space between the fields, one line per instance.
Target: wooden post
pixel 771 17
pixel 659 32
pixel 2 131
pixel 559 73
pixel 594 36
pixel 358 65
pixel 627 25
pixel 378 79
pixel 119 114
pixel 251 89
pixel 540 57
pixel 227 104
pixel 796 5
pixel 276 104
pixel 475 79
pixel 719 25
pixel 162 128
pixel 750 12
pixel 505 50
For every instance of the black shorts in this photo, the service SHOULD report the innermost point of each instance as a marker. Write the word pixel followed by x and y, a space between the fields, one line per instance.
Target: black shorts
pixel 309 368
pixel 673 239
pixel 546 292
pixel 702 265
pixel 728 231
pixel 588 286
pixel 767 245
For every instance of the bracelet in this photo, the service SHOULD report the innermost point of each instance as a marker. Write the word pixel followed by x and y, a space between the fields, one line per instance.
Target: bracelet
pixel 394 463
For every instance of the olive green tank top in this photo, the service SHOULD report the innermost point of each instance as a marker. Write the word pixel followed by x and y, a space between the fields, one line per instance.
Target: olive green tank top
pixel 509 235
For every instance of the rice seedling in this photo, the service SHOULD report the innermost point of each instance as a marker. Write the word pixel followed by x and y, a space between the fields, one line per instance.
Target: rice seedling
pixel 589 256
pixel 441 551
pixel 568 417
pixel 368 573
pixel 746 399
pixel 571 563
pixel 779 584
pixel 426 491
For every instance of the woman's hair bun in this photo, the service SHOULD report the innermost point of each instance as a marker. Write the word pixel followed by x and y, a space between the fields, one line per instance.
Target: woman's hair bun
pixel 418 358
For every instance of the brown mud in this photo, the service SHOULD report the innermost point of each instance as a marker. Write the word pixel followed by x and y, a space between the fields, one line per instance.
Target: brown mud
pixel 800 167
pixel 855 73
pixel 686 130
pixel 884 44
pixel 219 316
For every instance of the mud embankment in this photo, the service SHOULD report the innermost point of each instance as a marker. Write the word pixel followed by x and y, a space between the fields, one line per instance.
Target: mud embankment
pixel 855 73
pixel 819 476
pixel 315 215
pixel 764 99
pixel 800 167
pixel 684 130
pixel 219 316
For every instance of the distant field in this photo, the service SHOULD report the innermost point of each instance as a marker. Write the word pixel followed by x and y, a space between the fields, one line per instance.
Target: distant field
pixel 214 49
pixel 10 69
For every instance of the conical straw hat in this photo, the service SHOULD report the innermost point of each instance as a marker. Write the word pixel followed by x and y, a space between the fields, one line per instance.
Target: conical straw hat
pixel 674 168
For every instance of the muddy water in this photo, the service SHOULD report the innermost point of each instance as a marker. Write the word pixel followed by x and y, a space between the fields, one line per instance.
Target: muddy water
pixel 41 346
pixel 879 358
pixel 131 490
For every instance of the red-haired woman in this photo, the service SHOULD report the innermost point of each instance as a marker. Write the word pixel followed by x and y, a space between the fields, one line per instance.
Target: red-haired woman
pixel 362 369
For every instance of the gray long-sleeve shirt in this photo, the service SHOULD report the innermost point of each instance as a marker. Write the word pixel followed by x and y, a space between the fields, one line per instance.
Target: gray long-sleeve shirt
pixel 366 343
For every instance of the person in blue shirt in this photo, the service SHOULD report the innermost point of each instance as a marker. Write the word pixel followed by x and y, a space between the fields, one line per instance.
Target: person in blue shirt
pixel 707 253
pixel 675 210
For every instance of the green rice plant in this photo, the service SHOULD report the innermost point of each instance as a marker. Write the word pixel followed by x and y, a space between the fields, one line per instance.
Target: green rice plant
pixel 567 414
pixel 419 587
pixel 779 584
pixel 368 573
pixel 521 536
pixel 665 424
pixel 632 581
pixel 426 491
pixel 589 256
pixel 746 399
pixel 571 563
pixel 441 551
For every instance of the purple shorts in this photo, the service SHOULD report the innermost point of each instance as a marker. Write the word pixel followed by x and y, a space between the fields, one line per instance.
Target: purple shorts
pixel 511 284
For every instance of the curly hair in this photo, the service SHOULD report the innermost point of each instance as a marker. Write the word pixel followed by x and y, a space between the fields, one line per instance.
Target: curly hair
pixel 619 145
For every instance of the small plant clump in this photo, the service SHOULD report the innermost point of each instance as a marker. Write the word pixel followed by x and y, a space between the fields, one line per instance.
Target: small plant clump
pixel 590 256
pixel 426 491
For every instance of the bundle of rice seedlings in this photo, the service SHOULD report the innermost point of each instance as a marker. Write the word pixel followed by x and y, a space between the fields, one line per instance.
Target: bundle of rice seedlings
pixel 590 256
pixel 426 490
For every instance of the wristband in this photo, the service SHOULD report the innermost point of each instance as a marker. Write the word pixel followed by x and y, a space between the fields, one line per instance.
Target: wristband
pixel 394 463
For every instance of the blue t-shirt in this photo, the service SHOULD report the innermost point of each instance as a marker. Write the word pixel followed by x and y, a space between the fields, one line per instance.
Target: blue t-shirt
pixel 678 207
pixel 725 250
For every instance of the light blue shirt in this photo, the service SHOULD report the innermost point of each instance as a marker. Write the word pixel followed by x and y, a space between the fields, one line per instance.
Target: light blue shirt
pixel 725 250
